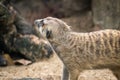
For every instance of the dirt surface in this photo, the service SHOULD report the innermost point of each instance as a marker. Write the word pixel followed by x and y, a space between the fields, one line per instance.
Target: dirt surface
pixel 49 70
pixel 45 70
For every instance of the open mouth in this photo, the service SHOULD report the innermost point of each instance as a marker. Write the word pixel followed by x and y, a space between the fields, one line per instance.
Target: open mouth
pixel 48 34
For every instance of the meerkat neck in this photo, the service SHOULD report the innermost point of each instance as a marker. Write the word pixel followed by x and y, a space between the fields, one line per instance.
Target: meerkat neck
pixel 66 38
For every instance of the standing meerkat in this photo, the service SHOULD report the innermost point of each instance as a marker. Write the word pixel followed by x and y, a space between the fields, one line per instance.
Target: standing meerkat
pixel 80 51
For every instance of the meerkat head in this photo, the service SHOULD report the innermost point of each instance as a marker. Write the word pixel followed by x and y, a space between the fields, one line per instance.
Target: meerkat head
pixel 50 27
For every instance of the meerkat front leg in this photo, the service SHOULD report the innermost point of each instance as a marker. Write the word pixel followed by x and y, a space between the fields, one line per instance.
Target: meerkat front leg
pixel 73 74
pixel 73 77
pixel 65 73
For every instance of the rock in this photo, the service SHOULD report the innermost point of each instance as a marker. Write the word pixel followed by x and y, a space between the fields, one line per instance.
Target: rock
pixel 32 47
pixel 19 38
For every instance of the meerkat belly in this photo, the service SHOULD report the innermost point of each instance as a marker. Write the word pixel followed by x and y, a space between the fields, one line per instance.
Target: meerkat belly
pixel 91 60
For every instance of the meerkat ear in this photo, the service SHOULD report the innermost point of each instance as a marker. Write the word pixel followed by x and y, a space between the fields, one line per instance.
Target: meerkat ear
pixel 63 24
pixel 66 27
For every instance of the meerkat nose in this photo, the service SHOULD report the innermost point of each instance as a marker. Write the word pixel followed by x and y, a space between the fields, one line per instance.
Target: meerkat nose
pixel 39 22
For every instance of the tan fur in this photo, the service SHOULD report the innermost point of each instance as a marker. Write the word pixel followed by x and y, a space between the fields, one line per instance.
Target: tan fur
pixel 80 51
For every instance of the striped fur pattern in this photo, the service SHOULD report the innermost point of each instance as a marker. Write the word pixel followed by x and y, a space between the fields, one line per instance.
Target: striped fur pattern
pixel 80 51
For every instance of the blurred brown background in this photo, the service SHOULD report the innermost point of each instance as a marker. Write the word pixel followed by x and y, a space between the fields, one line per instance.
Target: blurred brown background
pixel 76 13
pixel 82 15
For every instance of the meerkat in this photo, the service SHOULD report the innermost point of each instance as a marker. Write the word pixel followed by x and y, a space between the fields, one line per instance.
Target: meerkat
pixel 81 51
